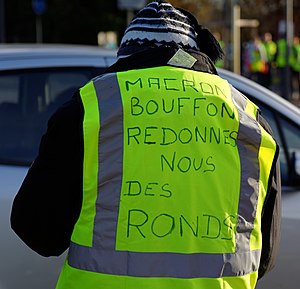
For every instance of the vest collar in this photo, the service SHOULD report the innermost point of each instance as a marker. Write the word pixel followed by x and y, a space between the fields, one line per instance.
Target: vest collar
pixel 161 56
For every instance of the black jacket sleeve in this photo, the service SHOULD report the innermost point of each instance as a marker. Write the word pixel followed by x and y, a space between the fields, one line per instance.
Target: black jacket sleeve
pixel 271 215
pixel 48 203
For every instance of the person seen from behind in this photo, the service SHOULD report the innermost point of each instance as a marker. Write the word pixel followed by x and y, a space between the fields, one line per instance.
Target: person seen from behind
pixel 258 61
pixel 271 49
pixel 294 62
pixel 283 66
pixel 158 173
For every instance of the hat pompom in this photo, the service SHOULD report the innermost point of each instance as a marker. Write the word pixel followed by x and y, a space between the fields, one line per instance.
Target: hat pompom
pixel 206 41
pixel 208 44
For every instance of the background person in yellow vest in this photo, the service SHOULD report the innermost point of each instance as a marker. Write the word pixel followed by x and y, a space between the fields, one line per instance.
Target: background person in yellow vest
pixel 271 49
pixel 282 66
pixel 157 174
pixel 294 61
pixel 259 68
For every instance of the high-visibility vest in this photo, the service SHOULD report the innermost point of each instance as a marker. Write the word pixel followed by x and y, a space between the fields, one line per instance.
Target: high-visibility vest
pixel 294 58
pixel 281 53
pixel 175 176
pixel 258 59
pixel 271 49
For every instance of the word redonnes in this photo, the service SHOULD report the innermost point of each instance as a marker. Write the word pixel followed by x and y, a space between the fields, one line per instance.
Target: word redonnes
pixel 164 136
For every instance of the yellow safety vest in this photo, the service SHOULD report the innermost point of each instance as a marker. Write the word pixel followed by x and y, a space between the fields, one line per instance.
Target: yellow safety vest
pixel 294 57
pixel 281 53
pixel 175 175
pixel 271 49
pixel 259 59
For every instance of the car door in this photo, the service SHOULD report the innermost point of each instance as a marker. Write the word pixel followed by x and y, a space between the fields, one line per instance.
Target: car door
pixel 287 134
pixel 28 97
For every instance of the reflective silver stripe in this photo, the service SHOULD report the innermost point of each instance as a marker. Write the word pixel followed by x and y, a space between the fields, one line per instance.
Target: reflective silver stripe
pixel 248 143
pixel 163 264
pixel 110 161
pixel 103 257
pixel 238 98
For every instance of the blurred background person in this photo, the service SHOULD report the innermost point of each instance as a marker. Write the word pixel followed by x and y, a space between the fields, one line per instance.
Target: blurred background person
pixel 257 61
pixel 282 64
pixel 294 62
pixel 271 49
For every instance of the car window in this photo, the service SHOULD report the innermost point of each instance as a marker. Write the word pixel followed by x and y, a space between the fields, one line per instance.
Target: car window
pixel 8 85
pixel 287 136
pixel 273 121
pixel 27 99
pixel 291 134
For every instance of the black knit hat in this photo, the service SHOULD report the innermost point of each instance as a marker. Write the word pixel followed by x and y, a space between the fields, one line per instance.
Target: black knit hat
pixel 160 24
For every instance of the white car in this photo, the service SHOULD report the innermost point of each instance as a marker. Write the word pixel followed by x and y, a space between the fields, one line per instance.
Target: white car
pixel 35 80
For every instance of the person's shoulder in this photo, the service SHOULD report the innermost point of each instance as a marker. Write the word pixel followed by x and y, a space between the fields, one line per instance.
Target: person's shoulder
pixel 263 122
pixel 70 111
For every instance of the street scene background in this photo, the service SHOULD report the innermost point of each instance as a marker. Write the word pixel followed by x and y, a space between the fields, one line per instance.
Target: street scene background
pixel 260 37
